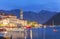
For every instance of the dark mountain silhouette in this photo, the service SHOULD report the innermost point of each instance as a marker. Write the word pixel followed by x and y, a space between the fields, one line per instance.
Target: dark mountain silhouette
pixel 42 17
pixel 46 15
pixel 54 20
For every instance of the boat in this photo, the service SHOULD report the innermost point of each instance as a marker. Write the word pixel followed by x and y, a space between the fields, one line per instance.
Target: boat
pixel 52 24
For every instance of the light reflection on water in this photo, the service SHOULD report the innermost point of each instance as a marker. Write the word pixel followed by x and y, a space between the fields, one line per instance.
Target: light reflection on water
pixel 38 33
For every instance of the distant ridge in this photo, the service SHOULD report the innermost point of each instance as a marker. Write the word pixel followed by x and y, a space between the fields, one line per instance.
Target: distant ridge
pixel 55 18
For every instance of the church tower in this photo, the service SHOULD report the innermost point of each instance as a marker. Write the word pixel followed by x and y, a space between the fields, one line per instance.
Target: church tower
pixel 21 14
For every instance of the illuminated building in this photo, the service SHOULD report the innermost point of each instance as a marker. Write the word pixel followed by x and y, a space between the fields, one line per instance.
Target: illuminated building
pixel 21 14
pixel 11 20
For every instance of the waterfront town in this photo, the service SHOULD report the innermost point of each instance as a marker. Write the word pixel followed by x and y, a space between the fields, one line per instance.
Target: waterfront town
pixel 10 23
pixel 12 20
pixel 29 19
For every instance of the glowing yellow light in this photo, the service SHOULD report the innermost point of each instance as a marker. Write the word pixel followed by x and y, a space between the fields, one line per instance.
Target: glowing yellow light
pixel 5 22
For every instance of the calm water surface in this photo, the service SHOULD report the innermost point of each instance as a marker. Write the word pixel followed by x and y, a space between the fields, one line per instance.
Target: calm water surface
pixel 45 33
pixel 38 33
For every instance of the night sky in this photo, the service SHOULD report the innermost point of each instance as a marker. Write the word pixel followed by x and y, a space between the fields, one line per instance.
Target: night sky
pixel 32 5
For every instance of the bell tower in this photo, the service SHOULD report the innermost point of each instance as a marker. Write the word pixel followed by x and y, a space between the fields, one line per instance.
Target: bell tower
pixel 21 14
